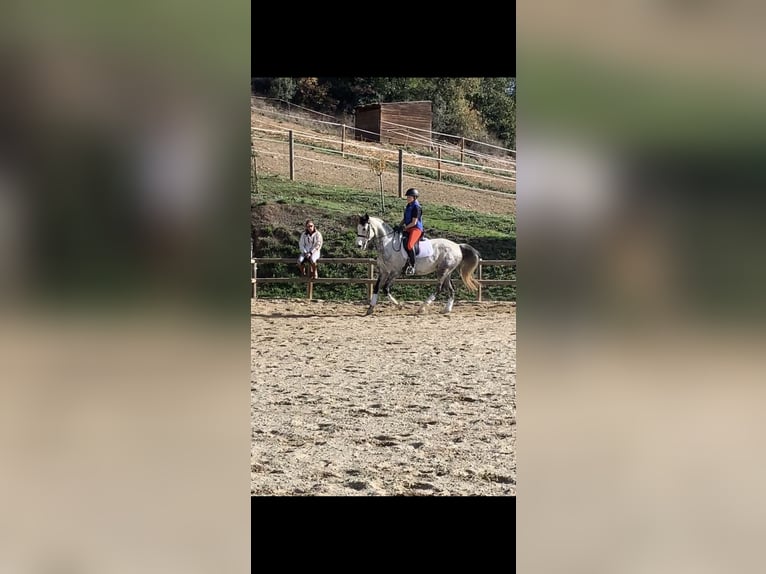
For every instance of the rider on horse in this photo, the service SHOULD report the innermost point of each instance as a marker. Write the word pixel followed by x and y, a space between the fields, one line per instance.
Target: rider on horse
pixel 412 227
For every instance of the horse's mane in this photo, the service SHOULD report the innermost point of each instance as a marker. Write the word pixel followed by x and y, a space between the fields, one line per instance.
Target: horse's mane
pixel 383 224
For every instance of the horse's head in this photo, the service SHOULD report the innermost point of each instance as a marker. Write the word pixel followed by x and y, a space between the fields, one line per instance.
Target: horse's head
pixel 364 231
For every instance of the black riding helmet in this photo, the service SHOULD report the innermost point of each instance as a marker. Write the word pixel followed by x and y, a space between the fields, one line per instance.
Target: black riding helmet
pixel 412 192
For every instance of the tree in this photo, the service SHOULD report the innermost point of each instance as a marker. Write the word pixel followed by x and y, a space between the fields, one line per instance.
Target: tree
pixel 496 101
pixel 283 89
pixel 474 108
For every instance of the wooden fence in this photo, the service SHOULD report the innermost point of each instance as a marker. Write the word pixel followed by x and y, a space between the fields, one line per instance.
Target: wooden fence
pixel 369 280
pixel 475 176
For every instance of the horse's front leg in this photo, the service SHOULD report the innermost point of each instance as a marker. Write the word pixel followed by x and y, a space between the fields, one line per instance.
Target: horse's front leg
pixel 387 289
pixel 450 296
pixel 374 299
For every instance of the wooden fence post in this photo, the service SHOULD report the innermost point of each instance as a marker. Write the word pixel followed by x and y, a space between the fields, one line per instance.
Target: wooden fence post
pixel 255 172
pixel 343 142
pixel 462 149
pixel 401 171
pixel 254 281
pixel 439 164
pixel 292 157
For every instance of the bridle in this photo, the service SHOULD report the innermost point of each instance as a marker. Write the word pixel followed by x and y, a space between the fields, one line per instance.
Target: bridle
pixel 367 237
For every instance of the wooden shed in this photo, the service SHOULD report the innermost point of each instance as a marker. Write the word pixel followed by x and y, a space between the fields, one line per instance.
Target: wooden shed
pixel 398 123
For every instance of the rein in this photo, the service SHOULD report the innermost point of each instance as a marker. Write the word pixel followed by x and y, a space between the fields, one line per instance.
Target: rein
pixel 379 238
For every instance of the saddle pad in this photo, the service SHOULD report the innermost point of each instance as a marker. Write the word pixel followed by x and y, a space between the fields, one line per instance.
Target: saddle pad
pixel 426 249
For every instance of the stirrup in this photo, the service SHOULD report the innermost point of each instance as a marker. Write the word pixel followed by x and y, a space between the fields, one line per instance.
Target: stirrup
pixel 410 270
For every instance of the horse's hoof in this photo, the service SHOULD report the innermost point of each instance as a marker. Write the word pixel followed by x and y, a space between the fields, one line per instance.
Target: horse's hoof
pixel 421 309
pixel 369 311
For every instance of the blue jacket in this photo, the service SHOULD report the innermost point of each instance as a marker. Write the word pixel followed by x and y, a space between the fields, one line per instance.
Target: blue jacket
pixel 412 211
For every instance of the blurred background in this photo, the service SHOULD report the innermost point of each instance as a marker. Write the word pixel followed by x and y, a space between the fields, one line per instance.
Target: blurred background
pixel 124 419
pixel 640 237
pixel 125 355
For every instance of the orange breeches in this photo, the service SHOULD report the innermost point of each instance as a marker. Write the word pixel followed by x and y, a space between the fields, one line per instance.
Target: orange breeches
pixel 413 237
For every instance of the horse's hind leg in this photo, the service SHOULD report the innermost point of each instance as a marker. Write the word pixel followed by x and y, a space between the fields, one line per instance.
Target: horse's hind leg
pixel 439 286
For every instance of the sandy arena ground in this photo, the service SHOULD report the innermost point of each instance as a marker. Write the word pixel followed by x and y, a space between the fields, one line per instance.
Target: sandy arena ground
pixel 388 404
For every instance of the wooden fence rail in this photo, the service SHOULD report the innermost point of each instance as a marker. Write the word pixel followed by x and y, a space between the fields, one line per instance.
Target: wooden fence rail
pixel 369 280
pixel 479 176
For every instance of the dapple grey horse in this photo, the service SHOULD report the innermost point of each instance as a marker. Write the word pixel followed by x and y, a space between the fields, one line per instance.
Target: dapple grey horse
pixel 446 257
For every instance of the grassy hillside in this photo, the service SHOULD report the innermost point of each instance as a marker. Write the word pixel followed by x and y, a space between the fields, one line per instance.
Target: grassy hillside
pixel 281 206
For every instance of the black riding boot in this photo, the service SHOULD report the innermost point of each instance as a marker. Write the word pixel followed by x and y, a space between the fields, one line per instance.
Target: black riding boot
pixel 410 269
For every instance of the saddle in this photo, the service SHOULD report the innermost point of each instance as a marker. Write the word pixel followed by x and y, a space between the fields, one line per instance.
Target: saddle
pixel 416 248
pixel 423 248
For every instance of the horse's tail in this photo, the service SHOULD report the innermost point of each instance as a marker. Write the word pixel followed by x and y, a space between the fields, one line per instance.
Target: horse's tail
pixel 468 265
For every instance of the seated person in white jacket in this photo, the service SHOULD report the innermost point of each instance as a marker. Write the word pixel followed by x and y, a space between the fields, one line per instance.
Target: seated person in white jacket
pixel 310 245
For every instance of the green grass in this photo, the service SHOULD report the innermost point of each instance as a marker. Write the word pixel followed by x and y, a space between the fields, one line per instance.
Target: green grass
pixel 334 209
pixel 433 173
